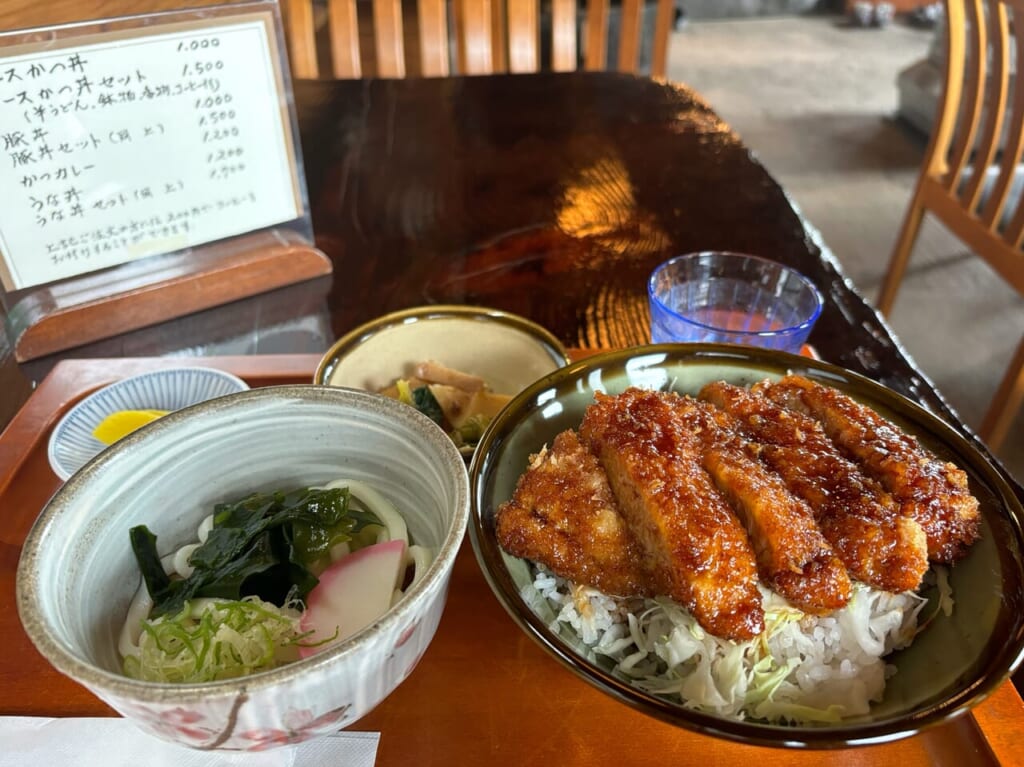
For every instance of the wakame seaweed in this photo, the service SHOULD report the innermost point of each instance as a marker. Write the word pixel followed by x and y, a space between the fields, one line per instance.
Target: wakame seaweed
pixel 260 545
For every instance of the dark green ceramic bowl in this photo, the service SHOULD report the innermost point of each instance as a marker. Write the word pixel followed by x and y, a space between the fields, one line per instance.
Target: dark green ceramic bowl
pixel 951 666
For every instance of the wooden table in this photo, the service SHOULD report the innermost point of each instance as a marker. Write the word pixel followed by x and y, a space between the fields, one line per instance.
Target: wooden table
pixel 551 196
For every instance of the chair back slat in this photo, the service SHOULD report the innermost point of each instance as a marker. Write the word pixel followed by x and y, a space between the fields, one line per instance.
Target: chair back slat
pixel 630 24
pixel 993 208
pixel 972 102
pixel 387 33
pixel 597 36
pixel 523 36
pixel 489 36
pixel 455 9
pixel 343 25
pixel 937 163
pixel 995 106
pixel 563 35
pixel 474 37
pixel 499 34
pixel 663 24
pixel 986 88
pixel 433 32
pixel 1013 231
pixel 301 31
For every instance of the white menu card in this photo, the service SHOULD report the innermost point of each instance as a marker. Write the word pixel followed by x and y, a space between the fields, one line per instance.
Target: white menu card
pixel 142 142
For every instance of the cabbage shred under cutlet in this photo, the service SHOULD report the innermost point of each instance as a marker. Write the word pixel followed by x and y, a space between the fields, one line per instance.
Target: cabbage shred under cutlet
pixel 801 669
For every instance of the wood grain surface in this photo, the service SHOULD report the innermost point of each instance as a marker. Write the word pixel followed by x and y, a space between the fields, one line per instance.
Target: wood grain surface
pixel 552 196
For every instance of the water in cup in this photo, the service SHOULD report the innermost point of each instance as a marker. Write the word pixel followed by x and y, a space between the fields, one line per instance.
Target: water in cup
pixel 731 298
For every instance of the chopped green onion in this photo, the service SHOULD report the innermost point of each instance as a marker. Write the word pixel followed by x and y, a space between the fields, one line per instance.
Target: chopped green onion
pixel 211 639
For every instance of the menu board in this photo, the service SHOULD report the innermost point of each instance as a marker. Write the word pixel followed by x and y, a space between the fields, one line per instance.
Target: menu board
pixel 128 144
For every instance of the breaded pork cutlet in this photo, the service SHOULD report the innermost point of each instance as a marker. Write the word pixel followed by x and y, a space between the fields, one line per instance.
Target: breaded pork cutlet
pixel 878 545
pixel 563 515
pixel 929 490
pixel 685 527
pixel 793 557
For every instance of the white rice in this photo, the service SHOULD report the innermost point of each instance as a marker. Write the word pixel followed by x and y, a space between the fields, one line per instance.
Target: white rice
pixel 802 668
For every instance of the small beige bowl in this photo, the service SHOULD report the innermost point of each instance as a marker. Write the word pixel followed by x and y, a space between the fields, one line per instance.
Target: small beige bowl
pixel 509 352
pixel 77 573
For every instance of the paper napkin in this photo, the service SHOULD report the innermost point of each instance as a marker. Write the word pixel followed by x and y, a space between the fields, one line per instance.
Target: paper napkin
pixel 109 742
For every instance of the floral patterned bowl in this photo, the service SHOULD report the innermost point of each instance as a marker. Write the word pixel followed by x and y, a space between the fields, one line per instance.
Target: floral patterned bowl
pixel 77 573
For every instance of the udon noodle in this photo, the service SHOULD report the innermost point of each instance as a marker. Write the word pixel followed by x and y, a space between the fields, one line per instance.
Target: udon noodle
pixel 177 564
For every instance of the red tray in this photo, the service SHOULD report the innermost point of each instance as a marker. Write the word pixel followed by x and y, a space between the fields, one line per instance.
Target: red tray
pixel 484 693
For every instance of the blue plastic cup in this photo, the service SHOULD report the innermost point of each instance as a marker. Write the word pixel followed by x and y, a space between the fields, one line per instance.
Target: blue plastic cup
pixel 718 297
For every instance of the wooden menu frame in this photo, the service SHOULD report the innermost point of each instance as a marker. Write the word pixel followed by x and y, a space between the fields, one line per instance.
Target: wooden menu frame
pixel 140 291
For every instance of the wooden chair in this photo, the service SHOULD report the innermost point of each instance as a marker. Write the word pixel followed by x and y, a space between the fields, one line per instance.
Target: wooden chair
pixel 969 167
pixel 490 36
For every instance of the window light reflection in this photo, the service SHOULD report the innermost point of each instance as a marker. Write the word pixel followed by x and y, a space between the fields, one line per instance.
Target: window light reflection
pixel 553 410
pixel 648 371
pixel 546 396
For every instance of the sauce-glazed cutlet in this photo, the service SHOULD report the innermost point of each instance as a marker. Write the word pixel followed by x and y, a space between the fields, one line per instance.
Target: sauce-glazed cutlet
pixel 563 515
pixel 879 546
pixel 929 490
pixel 685 527
pixel 793 557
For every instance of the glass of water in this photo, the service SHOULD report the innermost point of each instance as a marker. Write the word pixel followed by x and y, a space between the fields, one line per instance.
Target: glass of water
pixel 721 297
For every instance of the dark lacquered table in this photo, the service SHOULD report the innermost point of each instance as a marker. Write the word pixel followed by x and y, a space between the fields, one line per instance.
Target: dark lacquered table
pixel 551 196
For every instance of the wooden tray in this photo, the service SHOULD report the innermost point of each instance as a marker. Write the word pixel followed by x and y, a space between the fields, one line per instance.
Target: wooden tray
pixel 484 693
pixel 95 306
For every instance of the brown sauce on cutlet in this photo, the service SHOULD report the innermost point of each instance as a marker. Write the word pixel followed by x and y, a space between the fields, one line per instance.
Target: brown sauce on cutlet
pixel 696 498
pixel 855 513
pixel 674 510
pixel 793 556
pixel 563 514
pixel 933 492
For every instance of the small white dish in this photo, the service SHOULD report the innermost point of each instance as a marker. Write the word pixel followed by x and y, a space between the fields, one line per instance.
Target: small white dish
pixel 72 444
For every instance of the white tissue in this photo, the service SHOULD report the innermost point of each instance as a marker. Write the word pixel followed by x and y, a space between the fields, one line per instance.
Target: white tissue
pixel 109 742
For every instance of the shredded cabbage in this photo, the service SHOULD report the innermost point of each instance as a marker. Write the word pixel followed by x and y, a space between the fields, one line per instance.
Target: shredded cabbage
pixel 214 639
pixel 945 589
pixel 802 668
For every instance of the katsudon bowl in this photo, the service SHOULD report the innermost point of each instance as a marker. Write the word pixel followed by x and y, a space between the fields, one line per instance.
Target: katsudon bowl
pixel 953 662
